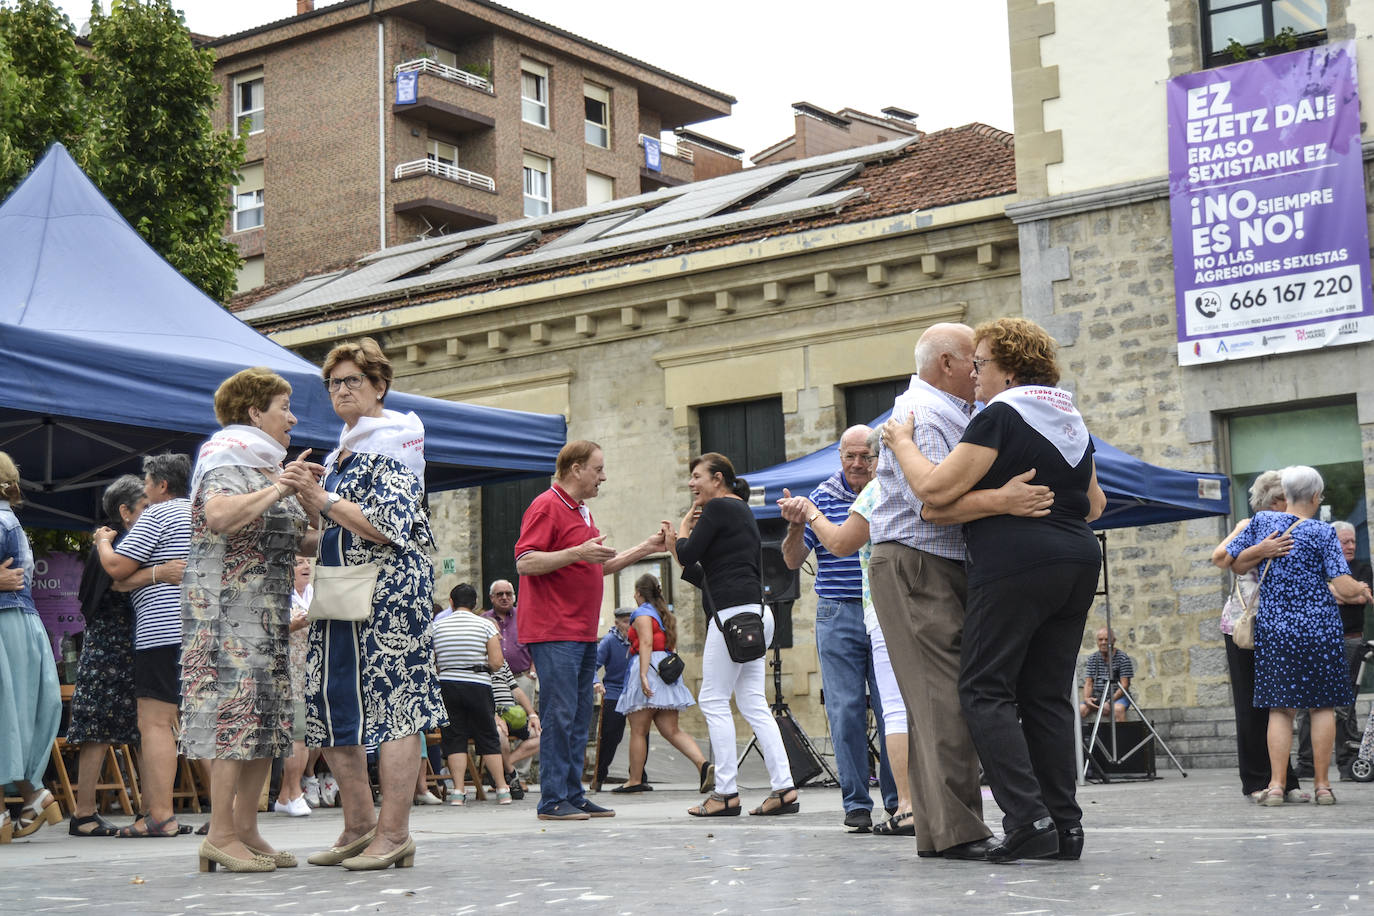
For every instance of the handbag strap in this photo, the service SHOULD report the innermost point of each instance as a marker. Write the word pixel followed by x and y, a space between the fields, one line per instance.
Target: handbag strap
pixel 1270 563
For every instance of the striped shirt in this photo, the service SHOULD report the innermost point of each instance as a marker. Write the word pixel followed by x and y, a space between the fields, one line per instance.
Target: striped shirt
pixel 1096 668
pixel 460 644
pixel 162 533
pixel 941 419
pixel 503 688
pixel 838 578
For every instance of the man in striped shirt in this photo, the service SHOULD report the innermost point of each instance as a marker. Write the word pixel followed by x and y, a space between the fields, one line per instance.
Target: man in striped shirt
pixel 161 541
pixel 841 640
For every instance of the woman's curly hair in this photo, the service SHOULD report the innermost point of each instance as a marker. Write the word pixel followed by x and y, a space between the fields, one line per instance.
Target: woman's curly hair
pixel 1021 347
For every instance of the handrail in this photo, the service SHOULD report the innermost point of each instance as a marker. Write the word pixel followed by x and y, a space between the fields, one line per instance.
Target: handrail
pixel 444 170
pixel 444 71
pixel 669 149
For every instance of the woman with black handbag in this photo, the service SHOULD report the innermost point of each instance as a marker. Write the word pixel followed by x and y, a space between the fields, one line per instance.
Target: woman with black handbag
pixel 654 691
pixel 720 533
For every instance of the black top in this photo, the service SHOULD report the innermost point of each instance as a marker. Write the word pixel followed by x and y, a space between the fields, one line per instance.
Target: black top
pixel 1004 544
pixel 726 543
pixel 1352 615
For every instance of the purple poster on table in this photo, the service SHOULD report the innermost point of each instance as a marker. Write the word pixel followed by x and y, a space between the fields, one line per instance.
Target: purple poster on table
pixel 1267 198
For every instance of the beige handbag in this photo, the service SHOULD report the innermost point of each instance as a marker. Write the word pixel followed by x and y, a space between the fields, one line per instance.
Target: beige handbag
pixel 1244 633
pixel 343 592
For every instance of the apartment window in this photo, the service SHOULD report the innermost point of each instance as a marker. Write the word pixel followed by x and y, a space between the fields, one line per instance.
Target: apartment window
pixel 538 199
pixel 749 433
pixel 442 56
pixel 251 274
pixel 248 102
pixel 248 198
pixel 864 403
pixel 534 93
pixel 441 152
pixel 597 102
pixel 600 188
pixel 1255 24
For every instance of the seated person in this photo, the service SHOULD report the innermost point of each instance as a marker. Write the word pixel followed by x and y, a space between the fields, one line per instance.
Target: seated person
pixel 1107 666
pixel 509 700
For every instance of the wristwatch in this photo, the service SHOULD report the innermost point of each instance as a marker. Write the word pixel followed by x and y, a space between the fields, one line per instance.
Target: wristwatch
pixel 330 502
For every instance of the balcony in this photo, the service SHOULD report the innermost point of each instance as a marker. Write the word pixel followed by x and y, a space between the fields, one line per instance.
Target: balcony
pixel 668 148
pixel 444 71
pixel 675 166
pixel 444 194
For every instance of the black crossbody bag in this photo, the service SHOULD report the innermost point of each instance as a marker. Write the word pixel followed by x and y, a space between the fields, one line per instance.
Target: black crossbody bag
pixel 744 636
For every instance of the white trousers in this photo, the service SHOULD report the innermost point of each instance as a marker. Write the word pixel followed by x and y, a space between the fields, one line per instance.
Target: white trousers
pixel 720 678
pixel 894 710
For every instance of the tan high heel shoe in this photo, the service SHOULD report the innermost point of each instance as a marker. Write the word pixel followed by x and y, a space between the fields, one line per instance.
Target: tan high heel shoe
pixel 402 856
pixel 335 855
pixel 279 859
pixel 38 813
pixel 210 856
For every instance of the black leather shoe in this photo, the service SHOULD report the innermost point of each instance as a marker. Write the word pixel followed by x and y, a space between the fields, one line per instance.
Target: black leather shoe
pixel 859 820
pixel 974 851
pixel 1037 840
pixel 1070 843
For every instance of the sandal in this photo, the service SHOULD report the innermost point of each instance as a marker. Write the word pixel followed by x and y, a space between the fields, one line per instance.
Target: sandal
pixel 151 828
pixel 503 796
pixel 783 806
pixel 706 780
pixel 97 824
pixel 41 810
pixel 897 825
pixel 1273 797
pixel 725 810
pixel 1325 796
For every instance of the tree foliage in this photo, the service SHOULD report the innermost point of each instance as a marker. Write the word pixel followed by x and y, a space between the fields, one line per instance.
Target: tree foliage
pixel 135 114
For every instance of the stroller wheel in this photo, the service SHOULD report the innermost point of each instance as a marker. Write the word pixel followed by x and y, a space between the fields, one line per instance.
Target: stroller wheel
pixel 1362 770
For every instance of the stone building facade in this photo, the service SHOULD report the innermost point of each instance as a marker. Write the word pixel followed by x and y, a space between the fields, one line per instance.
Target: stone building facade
pixel 509 113
pixel 1094 228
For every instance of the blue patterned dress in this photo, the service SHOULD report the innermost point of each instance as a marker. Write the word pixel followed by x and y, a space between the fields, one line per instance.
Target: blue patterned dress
pixel 1299 640
pixel 375 681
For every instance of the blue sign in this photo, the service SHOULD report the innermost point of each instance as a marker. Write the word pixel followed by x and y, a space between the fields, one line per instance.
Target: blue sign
pixel 653 151
pixel 407 87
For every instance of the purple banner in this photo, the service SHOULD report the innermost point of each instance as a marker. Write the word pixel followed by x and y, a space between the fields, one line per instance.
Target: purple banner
pixel 1267 198
pixel 56 580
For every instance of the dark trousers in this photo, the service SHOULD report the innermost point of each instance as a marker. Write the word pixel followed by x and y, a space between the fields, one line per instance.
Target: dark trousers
pixel 612 730
pixel 1252 725
pixel 1021 639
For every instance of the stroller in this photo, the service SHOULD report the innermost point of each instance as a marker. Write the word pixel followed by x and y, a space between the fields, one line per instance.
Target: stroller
pixel 1362 767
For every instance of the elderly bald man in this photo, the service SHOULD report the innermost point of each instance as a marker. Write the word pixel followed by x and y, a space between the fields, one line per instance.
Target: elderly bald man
pixel 841 639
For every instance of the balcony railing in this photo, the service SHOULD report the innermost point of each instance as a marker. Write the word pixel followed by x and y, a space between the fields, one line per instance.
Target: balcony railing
pixel 444 170
pixel 669 148
pixel 444 71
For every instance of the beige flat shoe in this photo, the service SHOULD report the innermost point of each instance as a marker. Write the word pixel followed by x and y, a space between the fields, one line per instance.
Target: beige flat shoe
pixel 335 855
pixel 402 856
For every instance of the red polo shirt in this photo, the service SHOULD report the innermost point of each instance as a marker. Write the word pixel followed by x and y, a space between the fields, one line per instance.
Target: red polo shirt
pixel 563 605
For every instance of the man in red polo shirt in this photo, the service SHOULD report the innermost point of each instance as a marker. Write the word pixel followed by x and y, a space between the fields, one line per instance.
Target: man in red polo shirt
pixel 562 558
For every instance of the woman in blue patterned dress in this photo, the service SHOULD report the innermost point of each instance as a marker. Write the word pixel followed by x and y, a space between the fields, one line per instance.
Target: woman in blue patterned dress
pixel 373 682
pixel 1299 640
pixel 246 530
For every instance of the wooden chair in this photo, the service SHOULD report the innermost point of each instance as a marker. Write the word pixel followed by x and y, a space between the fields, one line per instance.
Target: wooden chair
pixel 186 790
pixel 434 781
pixel 111 780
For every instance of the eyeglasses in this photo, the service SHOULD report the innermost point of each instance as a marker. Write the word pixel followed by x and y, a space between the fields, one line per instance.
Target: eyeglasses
pixel 978 364
pixel 857 456
pixel 503 594
pixel 351 382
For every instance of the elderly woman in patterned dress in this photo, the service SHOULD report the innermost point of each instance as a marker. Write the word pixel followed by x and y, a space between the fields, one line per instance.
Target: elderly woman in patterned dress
pixel 246 530
pixel 373 681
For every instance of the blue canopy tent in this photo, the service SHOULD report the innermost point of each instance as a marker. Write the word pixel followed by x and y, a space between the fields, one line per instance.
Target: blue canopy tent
pixel 1138 493
pixel 110 354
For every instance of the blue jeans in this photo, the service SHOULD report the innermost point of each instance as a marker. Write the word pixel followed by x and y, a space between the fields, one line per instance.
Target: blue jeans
pixel 846 667
pixel 565 670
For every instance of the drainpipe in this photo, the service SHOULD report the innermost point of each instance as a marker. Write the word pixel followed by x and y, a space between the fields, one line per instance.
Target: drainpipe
pixel 381 125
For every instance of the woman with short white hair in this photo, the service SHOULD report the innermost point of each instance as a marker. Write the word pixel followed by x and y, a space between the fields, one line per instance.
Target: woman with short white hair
pixel 1299 644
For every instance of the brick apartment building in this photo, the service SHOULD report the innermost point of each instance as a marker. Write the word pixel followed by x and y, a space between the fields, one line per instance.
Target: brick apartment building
pixel 510 117
pixel 817 131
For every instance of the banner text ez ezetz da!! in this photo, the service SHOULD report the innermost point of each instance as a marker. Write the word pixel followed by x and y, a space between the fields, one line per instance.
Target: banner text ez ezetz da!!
pixel 1267 197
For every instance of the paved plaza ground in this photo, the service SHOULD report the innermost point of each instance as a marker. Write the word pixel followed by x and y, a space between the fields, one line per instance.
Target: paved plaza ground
pixel 1173 845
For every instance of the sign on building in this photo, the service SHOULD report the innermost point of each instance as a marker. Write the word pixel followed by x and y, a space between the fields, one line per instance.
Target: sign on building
pixel 653 155
pixel 1267 197
pixel 407 87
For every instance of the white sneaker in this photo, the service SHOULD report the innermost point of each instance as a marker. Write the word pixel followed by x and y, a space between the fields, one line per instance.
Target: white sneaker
pixel 329 791
pixel 296 807
pixel 428 798
pixel 311 786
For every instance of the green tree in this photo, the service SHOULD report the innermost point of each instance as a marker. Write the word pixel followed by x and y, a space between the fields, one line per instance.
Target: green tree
pixel 154 152
pixel 41 97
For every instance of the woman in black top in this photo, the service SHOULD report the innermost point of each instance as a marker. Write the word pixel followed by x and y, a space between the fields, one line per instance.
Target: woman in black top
pixel 1031 582
pixel 719 532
